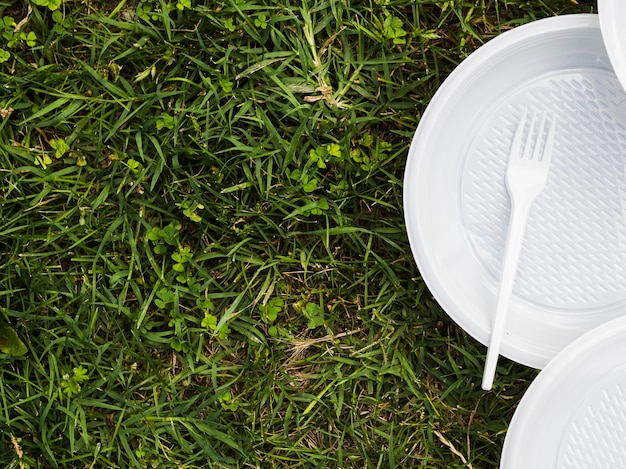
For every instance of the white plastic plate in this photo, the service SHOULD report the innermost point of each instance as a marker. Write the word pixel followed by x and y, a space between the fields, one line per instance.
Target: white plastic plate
pixel 573 415
pixel 613 24
pixel 572 271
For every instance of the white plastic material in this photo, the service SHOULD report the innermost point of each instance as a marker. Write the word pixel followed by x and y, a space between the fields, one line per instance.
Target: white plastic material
pixel 613 24
pixel 572 268
pixel 573 415
pixel 526 176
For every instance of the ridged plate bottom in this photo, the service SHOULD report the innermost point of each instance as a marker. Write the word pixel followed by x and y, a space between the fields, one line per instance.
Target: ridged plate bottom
pixel 574 254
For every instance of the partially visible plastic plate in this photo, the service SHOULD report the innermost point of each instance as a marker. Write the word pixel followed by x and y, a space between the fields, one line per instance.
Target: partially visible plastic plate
pixel 613 24
pixel 572 270
pixel 573 415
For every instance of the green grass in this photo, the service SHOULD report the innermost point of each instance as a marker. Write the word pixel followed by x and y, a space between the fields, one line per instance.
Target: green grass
pixel 202 241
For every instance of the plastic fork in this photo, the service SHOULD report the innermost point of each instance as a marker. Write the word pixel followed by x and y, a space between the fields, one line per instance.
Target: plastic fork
pixel 526 176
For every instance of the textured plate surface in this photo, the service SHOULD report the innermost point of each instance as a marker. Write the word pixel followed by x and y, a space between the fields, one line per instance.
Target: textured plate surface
pixel 573 415
pixel 612 15
pixel 572 268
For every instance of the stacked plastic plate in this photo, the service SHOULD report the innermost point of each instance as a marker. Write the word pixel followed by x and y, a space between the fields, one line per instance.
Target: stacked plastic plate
pixel 567 314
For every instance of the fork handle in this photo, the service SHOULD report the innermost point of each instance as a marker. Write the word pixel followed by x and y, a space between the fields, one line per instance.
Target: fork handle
pixel 515 237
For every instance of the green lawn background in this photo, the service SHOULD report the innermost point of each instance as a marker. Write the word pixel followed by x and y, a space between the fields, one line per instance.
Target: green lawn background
pixel 202 242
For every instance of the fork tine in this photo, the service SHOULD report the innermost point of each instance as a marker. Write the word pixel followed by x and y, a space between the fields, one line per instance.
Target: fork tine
pixel 547 149
pixel 528 146
pixel 539 140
